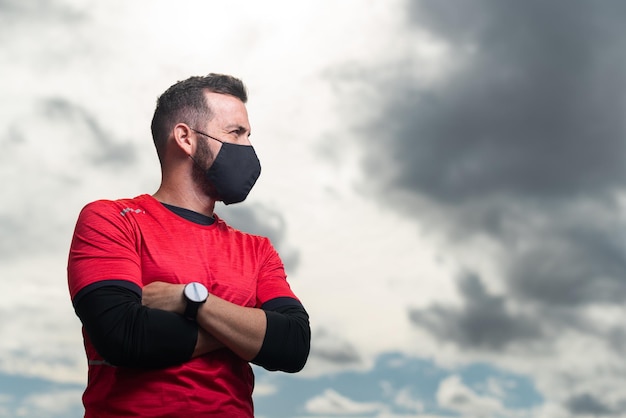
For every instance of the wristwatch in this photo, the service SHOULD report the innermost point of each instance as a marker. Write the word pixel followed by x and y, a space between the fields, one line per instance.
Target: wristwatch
pixel 195 294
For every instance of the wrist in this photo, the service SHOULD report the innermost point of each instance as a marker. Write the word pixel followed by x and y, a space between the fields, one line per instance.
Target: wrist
pixel 195 295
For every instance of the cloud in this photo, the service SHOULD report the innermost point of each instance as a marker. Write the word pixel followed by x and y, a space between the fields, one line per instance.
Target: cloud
pixel 78 131
pixel 35 397
pixel 588 404
pixel 53 404
pixel 59 145
pixel 333 403
pixel 454 395
pixel 401 386
pixel 405 400
pixel 514 153
pixel 578 259
pixel 484 320
pixel 523 141
pixel 40 9
pixel 56 153
pixel 329 347
pixel 531 109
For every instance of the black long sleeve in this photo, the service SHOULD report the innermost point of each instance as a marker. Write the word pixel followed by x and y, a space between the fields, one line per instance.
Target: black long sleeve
pixel 125 333
pixel 287 339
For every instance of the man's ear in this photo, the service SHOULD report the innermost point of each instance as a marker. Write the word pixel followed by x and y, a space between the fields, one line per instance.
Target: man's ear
pixel 183 138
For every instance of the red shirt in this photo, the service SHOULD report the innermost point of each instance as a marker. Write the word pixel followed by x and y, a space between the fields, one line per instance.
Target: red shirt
pixel 141 241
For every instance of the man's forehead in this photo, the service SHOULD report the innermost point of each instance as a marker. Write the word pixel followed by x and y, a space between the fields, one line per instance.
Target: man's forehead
pixel 225 102
pixel 228 111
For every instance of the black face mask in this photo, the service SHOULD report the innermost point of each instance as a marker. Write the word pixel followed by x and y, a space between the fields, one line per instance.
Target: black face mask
pixel 234 171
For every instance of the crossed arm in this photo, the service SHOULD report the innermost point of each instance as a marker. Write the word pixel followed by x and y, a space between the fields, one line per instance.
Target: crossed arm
pixel 146 329
pixel 241 329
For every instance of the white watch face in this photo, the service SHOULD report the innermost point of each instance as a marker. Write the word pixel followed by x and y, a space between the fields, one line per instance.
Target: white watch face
pixel 196 292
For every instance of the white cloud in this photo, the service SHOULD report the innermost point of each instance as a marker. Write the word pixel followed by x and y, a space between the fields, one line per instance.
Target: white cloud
pixel 453 394
pixel 498 388
pixel 405 400
pixel 50 404
pixel 42 337
pixel 4 401
pixel 333 403
pixel 264 389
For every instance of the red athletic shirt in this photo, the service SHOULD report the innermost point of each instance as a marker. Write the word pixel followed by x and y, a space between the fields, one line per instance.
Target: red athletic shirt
pixel 141 241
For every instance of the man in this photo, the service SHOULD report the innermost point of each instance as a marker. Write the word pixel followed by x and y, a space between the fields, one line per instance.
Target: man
pixel 175 303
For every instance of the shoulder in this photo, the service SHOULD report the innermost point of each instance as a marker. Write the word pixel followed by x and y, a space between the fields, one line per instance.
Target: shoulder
pixel 258 243
pixel 112 212
pixel 119 206
pixel 223 226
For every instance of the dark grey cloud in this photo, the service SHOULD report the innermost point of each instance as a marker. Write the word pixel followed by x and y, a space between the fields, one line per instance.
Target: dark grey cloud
pixel 103 149
pixel 587 404
pixel 521 141
pixel 573 263
pixel 536 109
pixel 617 338
pixel 329 347
pixel 260 220
pixel 484 321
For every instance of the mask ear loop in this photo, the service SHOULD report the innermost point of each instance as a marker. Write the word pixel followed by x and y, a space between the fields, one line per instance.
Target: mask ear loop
pixel 207 135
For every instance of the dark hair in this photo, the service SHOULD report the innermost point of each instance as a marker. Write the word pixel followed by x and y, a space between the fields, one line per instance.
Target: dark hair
pixel 185 102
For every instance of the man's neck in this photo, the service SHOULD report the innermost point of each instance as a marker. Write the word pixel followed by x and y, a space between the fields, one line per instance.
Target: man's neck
pixel 193 199
pixel 190 215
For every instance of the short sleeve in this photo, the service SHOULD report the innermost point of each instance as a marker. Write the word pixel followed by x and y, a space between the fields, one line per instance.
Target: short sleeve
pixel 104 247
pixel 272 282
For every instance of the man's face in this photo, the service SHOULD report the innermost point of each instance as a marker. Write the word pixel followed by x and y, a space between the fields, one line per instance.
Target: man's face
pixel 229 123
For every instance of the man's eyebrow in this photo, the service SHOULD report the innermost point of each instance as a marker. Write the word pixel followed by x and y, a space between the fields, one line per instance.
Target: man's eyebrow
pixel 238 128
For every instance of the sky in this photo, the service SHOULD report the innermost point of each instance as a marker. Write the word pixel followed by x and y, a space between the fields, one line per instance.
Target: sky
pixel 444 180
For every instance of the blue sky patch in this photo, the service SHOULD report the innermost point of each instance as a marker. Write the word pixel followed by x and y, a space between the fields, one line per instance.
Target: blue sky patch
pixel 393 374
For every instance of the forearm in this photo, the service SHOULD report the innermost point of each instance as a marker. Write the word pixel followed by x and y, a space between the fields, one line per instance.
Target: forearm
pixel 276 337
pixel 239 328
pixel 206 343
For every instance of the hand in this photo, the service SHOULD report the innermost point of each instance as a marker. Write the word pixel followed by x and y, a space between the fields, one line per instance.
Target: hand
pixel 165 296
